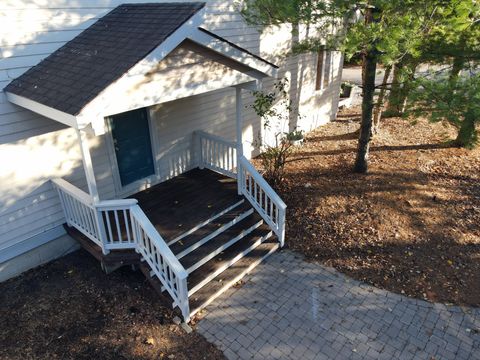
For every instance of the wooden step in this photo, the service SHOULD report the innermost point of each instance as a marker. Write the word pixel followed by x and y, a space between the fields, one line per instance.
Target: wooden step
pixel 205 222
pixel 230 276
pixel 113 259
pixel 210 230
pixel 205 273
pixel 219 243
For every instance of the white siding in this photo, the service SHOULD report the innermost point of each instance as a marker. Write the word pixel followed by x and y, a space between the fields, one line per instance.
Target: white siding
pixel 34 149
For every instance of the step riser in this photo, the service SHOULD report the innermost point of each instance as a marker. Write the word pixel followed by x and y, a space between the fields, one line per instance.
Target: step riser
pixel 230 263
pixel 192 230
pixel 224 247
pixel 234 281
pixel 213 234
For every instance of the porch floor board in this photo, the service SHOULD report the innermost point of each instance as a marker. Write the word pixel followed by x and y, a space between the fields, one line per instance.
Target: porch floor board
pixel 177 205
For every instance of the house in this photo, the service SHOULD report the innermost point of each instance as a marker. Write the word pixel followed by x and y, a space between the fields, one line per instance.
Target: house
pixel 130 124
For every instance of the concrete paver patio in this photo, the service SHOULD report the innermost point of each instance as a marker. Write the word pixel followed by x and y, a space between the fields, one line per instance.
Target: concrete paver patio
pixel 291 309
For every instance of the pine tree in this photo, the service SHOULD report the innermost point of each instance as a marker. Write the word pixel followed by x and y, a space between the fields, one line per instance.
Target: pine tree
pixel 396 33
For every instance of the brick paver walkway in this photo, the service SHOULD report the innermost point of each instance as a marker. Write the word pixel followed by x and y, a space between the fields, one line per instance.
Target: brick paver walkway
pixel 291 309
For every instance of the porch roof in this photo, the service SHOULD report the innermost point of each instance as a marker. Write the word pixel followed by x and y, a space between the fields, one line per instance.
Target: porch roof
pixel 127 41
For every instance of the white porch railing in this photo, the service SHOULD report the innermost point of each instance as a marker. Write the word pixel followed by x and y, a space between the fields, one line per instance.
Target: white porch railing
pixel 216 153
pixel 221 155
pixel 78 209
pixel 121 224
pixel 262 197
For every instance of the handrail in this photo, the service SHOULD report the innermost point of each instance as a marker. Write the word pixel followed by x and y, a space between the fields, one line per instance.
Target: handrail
pixel 216 153
pixel 116 203
pixel 262 197
pixel 215 138
pixel 78 210
pixel 73 191
pixel 160 258
pixel 262 182
pixel 159 241
pixel 121 224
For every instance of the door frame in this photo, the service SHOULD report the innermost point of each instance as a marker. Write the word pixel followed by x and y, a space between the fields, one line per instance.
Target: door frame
pixel 141 184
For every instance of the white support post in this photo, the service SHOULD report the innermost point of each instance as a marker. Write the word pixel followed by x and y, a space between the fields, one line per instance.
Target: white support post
pixel 92 186
pixel 87 165
pixel 239 123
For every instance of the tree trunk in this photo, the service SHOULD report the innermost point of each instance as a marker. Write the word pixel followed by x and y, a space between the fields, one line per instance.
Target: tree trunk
pixel 467 134
pixel 397 100
pixel 458 63
pixel 377 114
pixel 370 68
pixel 392 109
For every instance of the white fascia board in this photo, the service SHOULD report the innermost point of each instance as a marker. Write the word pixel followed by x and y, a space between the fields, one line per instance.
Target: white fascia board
pixel 250 86
pixel 152 93
pixel 231 52
pixel 44 110
pixel 169 44
pixel 94 109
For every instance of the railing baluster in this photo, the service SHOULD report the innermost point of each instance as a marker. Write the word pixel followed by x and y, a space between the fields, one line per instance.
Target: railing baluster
pixel 77 214
pixel 117 224
pixel 263 198
pixel 89 218
pixel 91 228
pixel 109 227
pixel 216 153
pixel 127 225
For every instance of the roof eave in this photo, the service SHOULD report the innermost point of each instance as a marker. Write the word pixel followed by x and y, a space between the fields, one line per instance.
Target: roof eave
pixel 44 110
pixel 213 43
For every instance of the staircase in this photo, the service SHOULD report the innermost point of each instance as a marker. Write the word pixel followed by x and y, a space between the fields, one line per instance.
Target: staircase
pixel 216 253
pixel 219 252
pixel 192 267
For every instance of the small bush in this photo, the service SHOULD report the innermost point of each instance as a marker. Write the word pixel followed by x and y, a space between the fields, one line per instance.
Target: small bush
pixel 274 106
pixel 273 160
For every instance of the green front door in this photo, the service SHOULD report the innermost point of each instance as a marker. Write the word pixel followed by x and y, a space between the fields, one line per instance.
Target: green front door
pixel 133 148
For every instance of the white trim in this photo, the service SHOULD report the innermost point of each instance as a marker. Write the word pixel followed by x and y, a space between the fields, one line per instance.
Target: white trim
pixel 44 110
pixel 229 51
pixel 250 86
pixel 239 131
pixel 88 165
pixel 94 112
pixel 154 141
pixel 168 45
pixel 145 65
pixel 141 184
pixel 31 243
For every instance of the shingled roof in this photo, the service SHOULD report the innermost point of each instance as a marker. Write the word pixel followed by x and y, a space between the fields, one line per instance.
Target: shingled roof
pixel 76 73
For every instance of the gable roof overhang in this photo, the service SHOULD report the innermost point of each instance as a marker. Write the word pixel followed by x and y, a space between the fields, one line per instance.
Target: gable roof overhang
pixel 91 109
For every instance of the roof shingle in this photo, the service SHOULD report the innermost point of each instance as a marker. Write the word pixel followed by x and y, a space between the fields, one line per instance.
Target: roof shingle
pixel 76 73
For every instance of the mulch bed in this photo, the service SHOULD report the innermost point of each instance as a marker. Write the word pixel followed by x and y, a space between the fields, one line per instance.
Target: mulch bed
pixel 412 225
pixel 70 309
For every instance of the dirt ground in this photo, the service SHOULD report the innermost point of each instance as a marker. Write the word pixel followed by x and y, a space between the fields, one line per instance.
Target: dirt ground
pixel 412 225
pixel 70 309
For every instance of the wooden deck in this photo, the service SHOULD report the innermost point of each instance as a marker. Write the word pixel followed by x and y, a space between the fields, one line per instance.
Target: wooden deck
pixel 177 205
pixel 228 238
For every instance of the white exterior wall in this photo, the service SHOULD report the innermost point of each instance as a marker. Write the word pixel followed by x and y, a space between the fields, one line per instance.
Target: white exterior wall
pixel 34 149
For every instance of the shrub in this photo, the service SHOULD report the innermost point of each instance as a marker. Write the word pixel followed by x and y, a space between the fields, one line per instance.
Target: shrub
pixel 275 108
pixel 273 160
